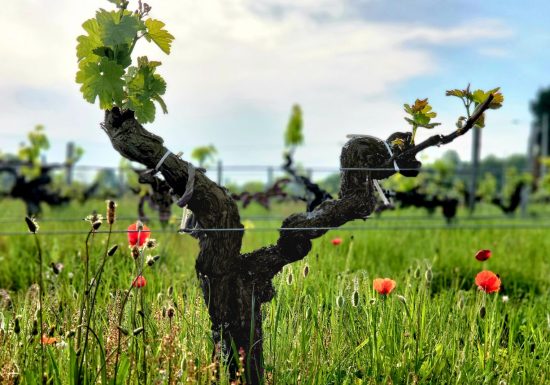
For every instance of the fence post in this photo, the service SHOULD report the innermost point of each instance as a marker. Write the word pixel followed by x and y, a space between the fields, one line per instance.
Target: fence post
pixel 269 176
pixel 220 172
pixel 476 149
pixel 69 162
pixel 528 187
pixel 545 138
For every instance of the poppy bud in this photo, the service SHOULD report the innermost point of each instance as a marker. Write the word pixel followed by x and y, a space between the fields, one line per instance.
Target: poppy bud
pixel 138 331
pixel 135 252
pixel 417 273
pixel 170 291
pixel 122 330
pixel 32 224
pixel 372 301
pixel 402 299
pixel 139 282
pixel 483 255
pixel 482 312
pixel 112 250
pixel 289 278
pixel 340 301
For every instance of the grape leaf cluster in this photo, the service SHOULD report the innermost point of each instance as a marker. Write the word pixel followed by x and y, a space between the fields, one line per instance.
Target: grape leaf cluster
pixel 420 115
pixel 105 69
pixel 475 99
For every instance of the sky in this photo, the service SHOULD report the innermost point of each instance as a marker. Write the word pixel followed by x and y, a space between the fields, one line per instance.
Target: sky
pixel 237 67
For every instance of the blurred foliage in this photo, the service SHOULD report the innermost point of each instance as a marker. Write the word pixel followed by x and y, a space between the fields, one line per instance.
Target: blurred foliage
pixel 204 154
pixel 293 134
pixel 31 152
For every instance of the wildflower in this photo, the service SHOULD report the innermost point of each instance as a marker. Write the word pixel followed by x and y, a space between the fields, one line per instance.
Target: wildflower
pixel 111 212
pixel 32 224
pixel 336 241
pixel 505 298
pixel 488 281
pixel 45 340
pixel 138 234
pixel 383 286
pixel 94 217
pixel 483 255
pixel 139 281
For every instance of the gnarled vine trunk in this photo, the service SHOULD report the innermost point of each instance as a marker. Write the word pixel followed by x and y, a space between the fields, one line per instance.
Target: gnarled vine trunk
pixel 235 285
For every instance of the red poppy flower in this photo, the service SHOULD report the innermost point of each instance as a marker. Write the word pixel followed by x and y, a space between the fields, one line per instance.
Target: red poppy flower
pixel 483 255
pixel 336 241
pixel 45 340
pixel 136 237
pixel 488 281
pixel 383 285
pixel 139 281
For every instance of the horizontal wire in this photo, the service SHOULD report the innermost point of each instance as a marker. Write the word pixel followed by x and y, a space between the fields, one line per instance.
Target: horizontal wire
pixel 524 226
pixel 267 218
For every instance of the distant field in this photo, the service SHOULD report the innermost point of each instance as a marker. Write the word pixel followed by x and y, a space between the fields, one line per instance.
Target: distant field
pixel 329 327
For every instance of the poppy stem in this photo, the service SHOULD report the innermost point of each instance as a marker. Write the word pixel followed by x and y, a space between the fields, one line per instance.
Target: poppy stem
pixel 83 305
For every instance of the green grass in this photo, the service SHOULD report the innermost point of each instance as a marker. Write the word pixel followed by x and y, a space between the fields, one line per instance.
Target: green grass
pixel 314 332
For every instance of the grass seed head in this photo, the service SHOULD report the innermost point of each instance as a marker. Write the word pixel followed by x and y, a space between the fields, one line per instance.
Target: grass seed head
pixel 112 250
pixel 111 212
pixel 32 224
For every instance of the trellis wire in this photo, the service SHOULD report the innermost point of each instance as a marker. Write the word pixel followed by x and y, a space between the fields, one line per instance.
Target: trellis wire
pixel 267 218
pixel 524 226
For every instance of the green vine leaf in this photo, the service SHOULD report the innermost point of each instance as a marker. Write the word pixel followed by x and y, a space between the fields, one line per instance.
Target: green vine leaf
pixel 117 29
pixel 88 43
pixel 143 86
pixel 105 69
pixel 157 34
pixel 102 80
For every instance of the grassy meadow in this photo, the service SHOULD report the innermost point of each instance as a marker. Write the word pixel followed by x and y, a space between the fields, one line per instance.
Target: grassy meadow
pixel 326 324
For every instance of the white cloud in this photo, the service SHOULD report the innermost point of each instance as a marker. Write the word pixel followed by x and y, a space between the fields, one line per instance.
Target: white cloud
pixel 229 61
